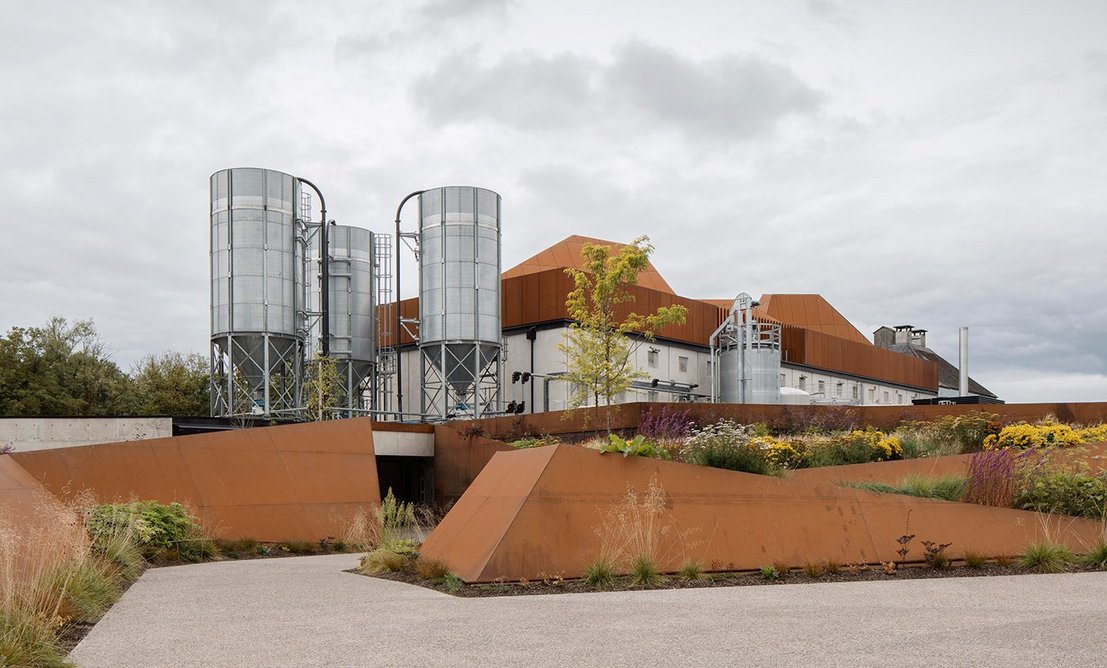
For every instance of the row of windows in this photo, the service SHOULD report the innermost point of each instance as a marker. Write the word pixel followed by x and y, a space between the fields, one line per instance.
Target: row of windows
pixel 855 390
pixel 653 355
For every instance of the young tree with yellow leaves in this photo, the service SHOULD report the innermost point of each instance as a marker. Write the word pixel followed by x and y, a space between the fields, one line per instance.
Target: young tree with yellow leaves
pixel 599 346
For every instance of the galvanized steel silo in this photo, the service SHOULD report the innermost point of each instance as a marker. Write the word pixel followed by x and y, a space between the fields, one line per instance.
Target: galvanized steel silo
pixel 256 292
pixel 352 293
pixel 746 357
pixel 459 300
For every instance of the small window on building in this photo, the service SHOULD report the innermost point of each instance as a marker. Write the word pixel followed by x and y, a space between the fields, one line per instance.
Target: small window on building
pixel 856 393
pixel 651 358
pixel 682 364
pixel 885 396
pixel 822 387
pixel 782 380
pixel 872 395
pixel 899 397
pixel 803 383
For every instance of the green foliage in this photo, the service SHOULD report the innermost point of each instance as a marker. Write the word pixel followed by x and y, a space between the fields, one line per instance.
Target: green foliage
pixel 948 435
pixel 383 560
pixel 1045 556
pixel 598 350
pixel 88 589
pixel 852 447
pixel 26 640
pixel 644 572
pixel 171 384
pixel 1062 491
pixel 60 369
pixel 690 570
pixel 637 446
pixel 726 445
pixel 600 574
pixel 934 554
pixel 974 559
pixel 535 441
pixel 155 527
pixel 1097 556
pixel 948 488
pixel 397 520
pixel 323 389
pixel 770 572
pixel 452 583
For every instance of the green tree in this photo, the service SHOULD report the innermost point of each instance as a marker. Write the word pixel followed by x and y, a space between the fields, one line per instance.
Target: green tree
pixel 171 384
pixel 60 369
pixel 599 345
pixel 322 389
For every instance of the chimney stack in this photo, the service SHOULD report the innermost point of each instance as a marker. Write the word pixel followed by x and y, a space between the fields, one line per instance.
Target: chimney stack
pixel 963 359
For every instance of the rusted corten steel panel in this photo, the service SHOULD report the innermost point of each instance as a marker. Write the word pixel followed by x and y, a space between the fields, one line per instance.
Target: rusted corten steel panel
pixel 36 521
pixel 809 311
pixel 824 351
pixel 291 482
pixel 567 253
pixel 535 513
pixel 457 461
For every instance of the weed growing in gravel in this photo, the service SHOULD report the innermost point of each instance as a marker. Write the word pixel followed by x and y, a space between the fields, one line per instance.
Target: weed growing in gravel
pixel 644 573
pixel 769 572
pixel 690 570
pixel 600 574
pixel 974 559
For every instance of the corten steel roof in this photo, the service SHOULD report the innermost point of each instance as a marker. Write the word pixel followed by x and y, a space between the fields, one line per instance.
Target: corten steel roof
pixel 566 254
pixel 810 312
pixel 534 512
pixel 290 482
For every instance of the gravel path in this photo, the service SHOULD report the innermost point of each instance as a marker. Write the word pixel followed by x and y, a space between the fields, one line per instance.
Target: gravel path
pixel 307 612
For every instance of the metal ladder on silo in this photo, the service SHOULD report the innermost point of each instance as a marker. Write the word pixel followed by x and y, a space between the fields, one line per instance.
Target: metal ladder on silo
pixel 386 352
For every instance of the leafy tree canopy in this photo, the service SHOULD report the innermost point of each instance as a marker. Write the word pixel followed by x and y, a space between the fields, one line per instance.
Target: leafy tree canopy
pixel 599 345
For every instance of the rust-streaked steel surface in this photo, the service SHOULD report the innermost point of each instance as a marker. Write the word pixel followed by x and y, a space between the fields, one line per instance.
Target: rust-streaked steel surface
pixel 457 461
pixel 811 312
pixel 290 482
pixel 535 513
pixel 567 253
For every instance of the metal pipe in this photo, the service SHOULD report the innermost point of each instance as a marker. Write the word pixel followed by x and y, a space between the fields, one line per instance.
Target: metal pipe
pixel 399 320
pixel 963 360
pixel 324 279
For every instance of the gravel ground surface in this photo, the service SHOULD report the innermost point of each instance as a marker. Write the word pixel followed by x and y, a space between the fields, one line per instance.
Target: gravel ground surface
pixel 308 612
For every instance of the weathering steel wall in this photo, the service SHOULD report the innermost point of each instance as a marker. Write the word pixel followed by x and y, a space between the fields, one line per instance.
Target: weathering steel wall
pixel 292 482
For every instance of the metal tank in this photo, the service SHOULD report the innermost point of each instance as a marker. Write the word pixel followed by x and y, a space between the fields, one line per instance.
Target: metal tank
pixel 746 357
pixel 256 292
pixel 459 301
pixel 352 288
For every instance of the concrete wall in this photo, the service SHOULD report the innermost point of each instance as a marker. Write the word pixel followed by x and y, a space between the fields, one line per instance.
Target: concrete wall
pixel 29 434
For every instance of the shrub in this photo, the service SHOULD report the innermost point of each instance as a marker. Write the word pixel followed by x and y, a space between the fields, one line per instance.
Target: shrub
pixel 690 570
pixel 157 527
pixel 600 574
pixel 644 573
pixel 430 569
pixel 383 560
pixel 934 554
pixel 726 445
pixel 1097 556
pixel 993 478
pixel 1046 556
pixel 535 441
pixel 974 559
pixel 949 434
pixel 452 583
pixel 1066 492
pixel 666 424
pixel 855 447
pixel 637 446
pixel 1045 433
pixel 769 572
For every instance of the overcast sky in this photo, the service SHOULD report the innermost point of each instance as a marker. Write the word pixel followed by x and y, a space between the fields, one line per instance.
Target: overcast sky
pixel 933 163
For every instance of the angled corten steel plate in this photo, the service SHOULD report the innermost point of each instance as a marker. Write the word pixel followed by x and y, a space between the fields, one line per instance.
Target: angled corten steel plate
pixel 290 482
pixel 541 512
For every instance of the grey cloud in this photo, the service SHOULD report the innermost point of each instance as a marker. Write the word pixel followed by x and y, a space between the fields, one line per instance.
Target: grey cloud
pixel 730 98
pixel 523 91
